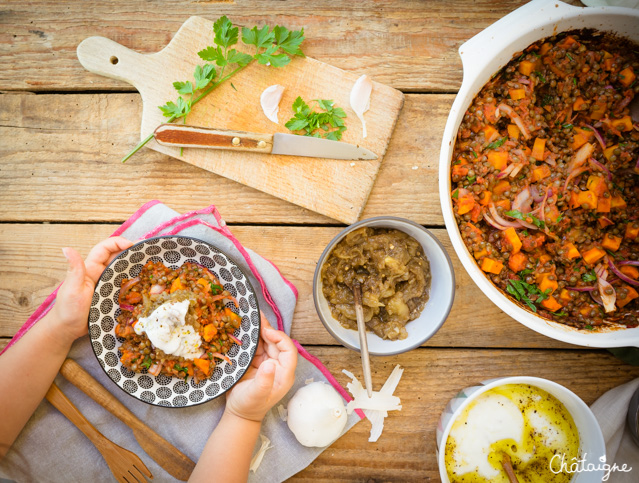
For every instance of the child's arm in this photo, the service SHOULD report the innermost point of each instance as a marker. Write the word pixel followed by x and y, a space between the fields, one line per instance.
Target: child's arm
pixel 28 368
pixel 227 454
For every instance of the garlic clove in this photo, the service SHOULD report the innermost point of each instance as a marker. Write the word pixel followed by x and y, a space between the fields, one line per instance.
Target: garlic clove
pixel 270 101
pixel 361 99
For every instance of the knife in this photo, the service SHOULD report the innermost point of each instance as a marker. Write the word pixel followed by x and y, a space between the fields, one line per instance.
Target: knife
pixel 163 453
pixel 181 136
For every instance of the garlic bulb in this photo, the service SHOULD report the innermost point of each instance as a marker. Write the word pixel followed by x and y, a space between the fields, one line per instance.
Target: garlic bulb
pixel 270 101
pixel 361 99
pixel 316 415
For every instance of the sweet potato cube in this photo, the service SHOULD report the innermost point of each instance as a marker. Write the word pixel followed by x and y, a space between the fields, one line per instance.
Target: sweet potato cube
pixel 176 285
pixel 597 184
pixel 571 251
pixel 516 94
pixel 553 213
pixel 630 271
pixel 598 110
pixel 203 365
pixel 579 104
pixel 490 134
pixel 465 204
pixel 627 76
pixel 526 67
pixel 630 296
pixel 501 187
pixel 609 151
pixel 540 172
pixel 587 199
pixel 551 304
pixel 593 255
pixel 209 332
pixel 479 254
pixel 604 221
pixel 491 266
pixel 544 281
pixel 517 262
pixel 513 131
pixel 498 159
pixel 564 295
pixel 623 124
pixel 504 204
pixel 460 170
pixel 545 47
pixel 538 149
pixel 632 231
pixel 545 258
pixel 611 242
pixel 510 235
pixel 603 205
pixel 485 198
pixel 617 201
pixel 581 137
pixel 567 42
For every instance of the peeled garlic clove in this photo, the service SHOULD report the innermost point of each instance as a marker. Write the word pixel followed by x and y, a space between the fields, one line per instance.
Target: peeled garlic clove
pixel 316 415
pixel 270 101
pixel 361 99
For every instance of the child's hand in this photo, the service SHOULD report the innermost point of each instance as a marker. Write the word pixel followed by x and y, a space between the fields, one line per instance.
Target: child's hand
pixel 269 378
pixel 73 301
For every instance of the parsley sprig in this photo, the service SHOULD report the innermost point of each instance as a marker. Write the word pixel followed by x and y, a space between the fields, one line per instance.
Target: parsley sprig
pixel 496 144
pixel 527 292
pixel 526 217
pixel 310 122
pixel 590 276
pixel 272 47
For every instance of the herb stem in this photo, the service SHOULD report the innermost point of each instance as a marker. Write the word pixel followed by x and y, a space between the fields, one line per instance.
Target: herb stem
pixel 173 118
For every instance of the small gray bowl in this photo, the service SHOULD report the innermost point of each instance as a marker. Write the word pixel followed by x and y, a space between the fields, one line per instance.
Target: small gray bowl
pixel 436 310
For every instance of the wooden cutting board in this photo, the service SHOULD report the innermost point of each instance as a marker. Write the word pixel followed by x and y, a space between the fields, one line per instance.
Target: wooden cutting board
pixel 335 188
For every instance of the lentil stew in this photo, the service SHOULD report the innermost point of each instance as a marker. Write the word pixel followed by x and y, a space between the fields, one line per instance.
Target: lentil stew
pixel 545 180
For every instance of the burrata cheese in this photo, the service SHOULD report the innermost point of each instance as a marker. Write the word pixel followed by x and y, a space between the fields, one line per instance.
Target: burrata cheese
pixel 168 331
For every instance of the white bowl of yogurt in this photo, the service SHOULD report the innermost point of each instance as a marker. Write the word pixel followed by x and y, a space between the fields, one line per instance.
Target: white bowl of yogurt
pixel 485 416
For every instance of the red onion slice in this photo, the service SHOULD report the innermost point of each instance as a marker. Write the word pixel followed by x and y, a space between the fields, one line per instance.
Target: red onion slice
pixel 506 171
pixel 598 136
pixel 582 289
pixel 157 289
pixel 128 285
pixel 515 118
pixel 606 171
pixel 493 223
pixel 523 200
pixel 581 156
pixel 629 262
pixel 130 308
pixel 235 339
pixel 500 220
pixel 622 275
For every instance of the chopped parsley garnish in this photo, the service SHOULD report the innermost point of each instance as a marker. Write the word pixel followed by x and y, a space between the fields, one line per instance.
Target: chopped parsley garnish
pixel 589 276
pixel 540 76
pixel 474 154
pixel 215 288
pixel 496 144
pixel 567 126
pixel 570 57
pixel 471 179
pixel 525 232
pixel 561 314
pixel 614 255
pixel 147 362
pixel 527 218
pixel 455 194
pixel 547 99
pixel 590 327
pixel 523 292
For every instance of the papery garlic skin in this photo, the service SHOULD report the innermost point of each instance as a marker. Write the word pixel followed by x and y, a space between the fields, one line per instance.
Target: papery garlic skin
pixel 270 101
pixel 361 99
pixel 316 415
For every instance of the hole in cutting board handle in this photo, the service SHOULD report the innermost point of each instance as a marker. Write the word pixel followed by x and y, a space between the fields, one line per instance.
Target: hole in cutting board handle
pixel 114 60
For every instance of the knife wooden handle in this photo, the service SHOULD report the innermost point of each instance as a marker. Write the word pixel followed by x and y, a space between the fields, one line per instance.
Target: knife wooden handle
pixel 163 453
pixel 200 137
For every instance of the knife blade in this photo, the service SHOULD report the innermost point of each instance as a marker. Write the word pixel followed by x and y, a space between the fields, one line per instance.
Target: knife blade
pixel 176 463
pixel 181 136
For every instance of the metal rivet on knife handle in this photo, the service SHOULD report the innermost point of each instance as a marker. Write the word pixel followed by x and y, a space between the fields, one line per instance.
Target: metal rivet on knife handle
pixel 261 144
pixel 236 141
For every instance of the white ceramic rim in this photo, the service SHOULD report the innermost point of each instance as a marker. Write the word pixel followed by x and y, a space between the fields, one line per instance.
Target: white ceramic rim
pixel 586 412
pixel 483 55
pixel 397 223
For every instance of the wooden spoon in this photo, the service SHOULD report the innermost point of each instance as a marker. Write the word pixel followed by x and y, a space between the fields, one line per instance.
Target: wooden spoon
pixel 125 465
pixel 508 468
pixel 363 341
pixel 176 463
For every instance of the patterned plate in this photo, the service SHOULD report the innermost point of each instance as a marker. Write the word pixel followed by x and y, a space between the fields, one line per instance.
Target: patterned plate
pixel 162 390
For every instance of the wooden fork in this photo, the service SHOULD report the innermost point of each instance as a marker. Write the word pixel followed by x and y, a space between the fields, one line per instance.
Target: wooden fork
pixel 125 465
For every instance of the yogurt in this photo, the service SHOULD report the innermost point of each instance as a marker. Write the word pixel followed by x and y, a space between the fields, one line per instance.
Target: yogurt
pixel 524 422
pixel 167 330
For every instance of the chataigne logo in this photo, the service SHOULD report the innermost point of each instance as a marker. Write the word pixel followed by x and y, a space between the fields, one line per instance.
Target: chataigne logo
pixel 559 464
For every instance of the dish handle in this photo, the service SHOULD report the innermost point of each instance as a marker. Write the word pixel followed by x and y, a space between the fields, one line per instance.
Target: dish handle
pixel 488 43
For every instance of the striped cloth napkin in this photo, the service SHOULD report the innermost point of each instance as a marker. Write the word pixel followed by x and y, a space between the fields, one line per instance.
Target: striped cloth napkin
pixel 51 448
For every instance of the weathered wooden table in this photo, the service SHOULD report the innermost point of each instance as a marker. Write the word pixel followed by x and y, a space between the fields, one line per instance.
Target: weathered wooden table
pixel 63 132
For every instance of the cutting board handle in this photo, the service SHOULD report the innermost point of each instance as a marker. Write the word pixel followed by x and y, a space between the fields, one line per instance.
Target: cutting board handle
pixel 108 58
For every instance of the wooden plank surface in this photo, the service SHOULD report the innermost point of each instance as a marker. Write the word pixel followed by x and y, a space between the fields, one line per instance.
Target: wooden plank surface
pixel 406 449
pixel 32 265
pixel 66 149
pixel 236 106
pixel 410 45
